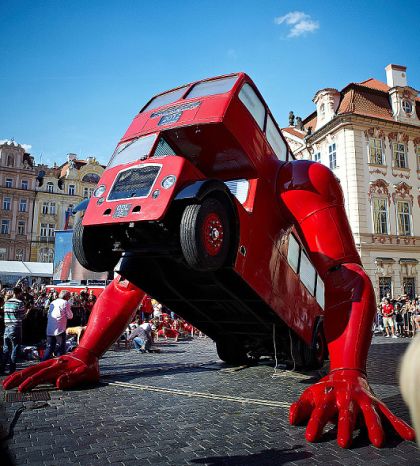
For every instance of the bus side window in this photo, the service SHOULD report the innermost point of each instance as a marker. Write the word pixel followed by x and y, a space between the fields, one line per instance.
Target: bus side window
pixel 254 105
pixel 275 140
pixel 320 292
pixel 307 274
pixel 239 188
pixel 293 253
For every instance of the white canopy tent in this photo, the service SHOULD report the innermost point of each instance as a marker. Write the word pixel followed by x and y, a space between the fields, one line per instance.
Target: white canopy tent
pixel 11 271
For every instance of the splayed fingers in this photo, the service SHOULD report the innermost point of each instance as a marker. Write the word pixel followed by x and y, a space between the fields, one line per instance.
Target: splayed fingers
pixel 45 375
pixel 17 378
pixel 301 410
pixel 324 412
pixel 401 427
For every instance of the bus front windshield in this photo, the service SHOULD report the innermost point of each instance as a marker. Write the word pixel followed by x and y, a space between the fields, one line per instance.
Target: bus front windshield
pixel 133 150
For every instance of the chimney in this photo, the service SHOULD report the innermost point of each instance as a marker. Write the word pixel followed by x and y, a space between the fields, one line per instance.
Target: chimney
pixel 396 75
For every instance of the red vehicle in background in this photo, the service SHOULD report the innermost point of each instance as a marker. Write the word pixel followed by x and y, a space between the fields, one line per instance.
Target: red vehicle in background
pixel 190 203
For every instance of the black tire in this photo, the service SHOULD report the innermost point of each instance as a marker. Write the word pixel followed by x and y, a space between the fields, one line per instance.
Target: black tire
pixel 92 249
pixel 205 235
pixel 319 351
pixel 309 357
pixel 232 353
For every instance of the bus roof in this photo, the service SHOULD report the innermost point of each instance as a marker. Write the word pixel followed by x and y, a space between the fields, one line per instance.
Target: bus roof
pixel 182 92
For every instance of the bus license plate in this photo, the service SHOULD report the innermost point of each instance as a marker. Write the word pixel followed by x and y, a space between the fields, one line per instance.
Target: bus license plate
pixel 122 210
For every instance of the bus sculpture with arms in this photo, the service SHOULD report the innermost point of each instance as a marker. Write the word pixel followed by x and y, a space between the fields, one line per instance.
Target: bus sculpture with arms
pixel 204 208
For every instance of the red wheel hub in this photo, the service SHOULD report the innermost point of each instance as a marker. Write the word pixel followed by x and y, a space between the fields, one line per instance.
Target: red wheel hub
pixel 212 234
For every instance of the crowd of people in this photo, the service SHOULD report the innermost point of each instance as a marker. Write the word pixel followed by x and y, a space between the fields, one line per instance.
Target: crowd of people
pixel 398 317
pixel 55 321
pixel 39 315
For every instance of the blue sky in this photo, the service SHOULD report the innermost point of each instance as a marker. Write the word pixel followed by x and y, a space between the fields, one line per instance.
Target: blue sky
pixel 74 73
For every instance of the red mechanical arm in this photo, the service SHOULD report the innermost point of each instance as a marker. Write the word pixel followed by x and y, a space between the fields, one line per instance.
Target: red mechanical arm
pixel 110 316
pixel 314 203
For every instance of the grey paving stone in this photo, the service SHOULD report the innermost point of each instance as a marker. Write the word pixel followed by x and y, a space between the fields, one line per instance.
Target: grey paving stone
pixel 124 425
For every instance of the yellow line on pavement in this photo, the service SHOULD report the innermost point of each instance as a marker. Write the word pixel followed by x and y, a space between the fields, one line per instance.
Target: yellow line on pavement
pixel 191 394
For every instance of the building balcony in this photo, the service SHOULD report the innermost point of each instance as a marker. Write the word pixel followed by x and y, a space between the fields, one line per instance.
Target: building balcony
pixel 44 239
pixel 49 217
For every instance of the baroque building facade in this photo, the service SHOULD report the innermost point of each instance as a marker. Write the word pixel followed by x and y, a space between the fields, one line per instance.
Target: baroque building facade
pixel 17 194
pixel 59 190
pixel 369 135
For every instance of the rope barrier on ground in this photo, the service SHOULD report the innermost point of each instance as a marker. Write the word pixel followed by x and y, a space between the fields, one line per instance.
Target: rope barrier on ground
pixel 193 394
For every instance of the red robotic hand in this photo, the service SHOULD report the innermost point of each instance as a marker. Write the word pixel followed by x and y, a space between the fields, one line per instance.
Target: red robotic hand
pixel 81 366
pixel 110 316
pixel 343 397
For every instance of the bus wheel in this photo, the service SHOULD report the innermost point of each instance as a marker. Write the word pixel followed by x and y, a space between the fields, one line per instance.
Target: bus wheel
pixel 319 351
pixel 92 250
pixel 305 356
pixel 232 353
pixel 205 235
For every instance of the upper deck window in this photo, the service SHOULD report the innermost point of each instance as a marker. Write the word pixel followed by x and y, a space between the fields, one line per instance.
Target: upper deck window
pixel 165 99
pixel 213 87
pixel 275 140
pixel 252 102
pixel 134 150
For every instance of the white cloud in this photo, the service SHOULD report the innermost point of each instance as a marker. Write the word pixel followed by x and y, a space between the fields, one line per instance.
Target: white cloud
pixel 300 23
pixel 27 147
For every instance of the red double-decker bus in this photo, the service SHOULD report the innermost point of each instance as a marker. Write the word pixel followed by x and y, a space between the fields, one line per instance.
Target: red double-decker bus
pixel 189 209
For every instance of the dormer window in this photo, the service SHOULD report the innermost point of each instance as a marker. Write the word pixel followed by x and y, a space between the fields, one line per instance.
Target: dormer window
pixel 10 161
pixel 407 106
pixel 322 110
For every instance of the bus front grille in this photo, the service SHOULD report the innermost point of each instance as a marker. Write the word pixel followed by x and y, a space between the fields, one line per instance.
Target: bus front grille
pixel 136 182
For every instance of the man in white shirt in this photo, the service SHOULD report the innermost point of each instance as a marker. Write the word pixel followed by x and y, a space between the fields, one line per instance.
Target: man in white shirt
pixel 58 313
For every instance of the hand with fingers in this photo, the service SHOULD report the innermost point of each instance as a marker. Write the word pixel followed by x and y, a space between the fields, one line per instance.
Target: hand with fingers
pixel 342 397
pixel 74 369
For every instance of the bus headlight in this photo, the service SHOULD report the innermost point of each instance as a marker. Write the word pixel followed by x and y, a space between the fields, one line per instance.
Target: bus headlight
pixel 168 181
pixel 99 190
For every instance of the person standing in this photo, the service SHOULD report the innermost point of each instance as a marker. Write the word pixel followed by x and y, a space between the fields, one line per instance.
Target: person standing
pixel 58 313
pixel 388 317
pixel 14 313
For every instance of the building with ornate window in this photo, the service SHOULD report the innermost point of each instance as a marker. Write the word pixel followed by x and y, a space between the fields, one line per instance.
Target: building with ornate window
pixel 17 183
pixel 59 190
pixel 369 135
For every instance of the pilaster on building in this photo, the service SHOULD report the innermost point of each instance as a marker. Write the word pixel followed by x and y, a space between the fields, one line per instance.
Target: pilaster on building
pixel 369 135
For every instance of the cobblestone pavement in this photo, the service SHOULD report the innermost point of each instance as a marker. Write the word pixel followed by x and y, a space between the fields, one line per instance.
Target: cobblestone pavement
pixel 183 406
